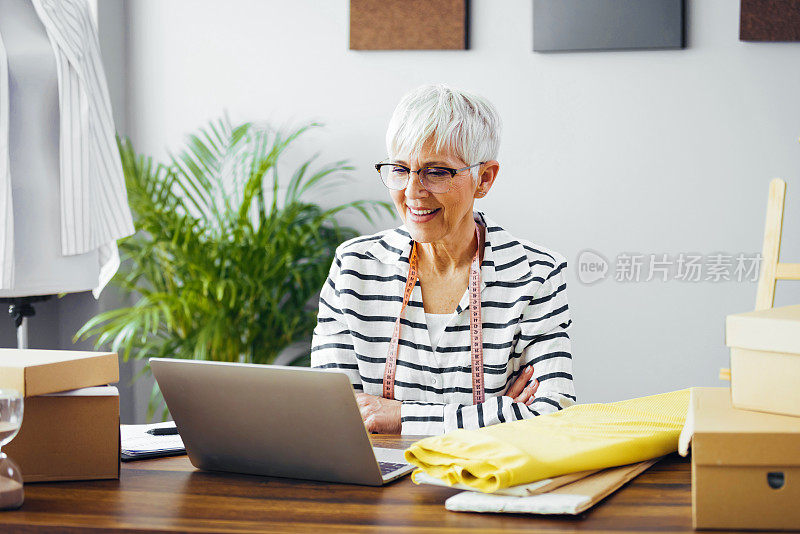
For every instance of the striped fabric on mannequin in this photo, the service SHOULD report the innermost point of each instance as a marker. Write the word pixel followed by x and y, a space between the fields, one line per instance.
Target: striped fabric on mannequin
pixel 94 205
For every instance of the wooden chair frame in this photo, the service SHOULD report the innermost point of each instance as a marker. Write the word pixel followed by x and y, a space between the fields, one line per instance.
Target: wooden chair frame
pixel 772 269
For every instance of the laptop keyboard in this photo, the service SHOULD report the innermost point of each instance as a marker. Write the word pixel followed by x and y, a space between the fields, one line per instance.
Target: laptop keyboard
pixel 388 467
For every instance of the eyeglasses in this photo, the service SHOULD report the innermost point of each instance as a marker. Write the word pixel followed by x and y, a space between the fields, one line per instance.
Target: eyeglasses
pixel 434 179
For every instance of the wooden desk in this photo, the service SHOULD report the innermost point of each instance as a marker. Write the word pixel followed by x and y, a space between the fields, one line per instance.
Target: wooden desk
pixel 168 494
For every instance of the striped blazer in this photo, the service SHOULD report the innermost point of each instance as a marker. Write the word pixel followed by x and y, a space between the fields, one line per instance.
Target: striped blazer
pixel 525 320
pixel 94 203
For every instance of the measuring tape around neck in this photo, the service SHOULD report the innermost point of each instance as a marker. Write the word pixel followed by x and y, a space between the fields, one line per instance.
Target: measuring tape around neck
pixel 475 326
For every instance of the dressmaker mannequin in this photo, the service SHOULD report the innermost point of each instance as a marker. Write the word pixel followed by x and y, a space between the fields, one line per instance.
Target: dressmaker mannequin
pixel 34 167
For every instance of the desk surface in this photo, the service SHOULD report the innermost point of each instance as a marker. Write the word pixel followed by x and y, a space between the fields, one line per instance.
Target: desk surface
pixel 168 494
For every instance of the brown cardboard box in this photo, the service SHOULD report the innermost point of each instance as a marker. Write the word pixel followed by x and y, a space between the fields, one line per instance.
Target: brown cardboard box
pixel 765 359
pixel 72 435
pixel 38 372
pixel 745 465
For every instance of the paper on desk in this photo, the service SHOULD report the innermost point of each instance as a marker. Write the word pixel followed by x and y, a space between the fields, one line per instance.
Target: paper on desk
pixel 96 391
pixel 521 490
pixel 570 499
pixel 136 441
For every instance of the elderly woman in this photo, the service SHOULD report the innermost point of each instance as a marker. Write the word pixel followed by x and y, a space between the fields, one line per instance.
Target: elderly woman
pixel 447 321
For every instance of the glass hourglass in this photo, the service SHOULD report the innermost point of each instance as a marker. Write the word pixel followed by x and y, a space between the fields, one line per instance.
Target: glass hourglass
pixel 11 492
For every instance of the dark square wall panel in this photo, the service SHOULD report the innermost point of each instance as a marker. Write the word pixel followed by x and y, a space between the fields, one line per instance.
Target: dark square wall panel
pixel 562 25
pixel 769 20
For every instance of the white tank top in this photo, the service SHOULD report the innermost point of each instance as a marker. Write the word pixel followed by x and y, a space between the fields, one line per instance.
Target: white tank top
pixel 437 322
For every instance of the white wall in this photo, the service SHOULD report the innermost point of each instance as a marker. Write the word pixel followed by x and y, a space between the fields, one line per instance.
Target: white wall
pixel 640 151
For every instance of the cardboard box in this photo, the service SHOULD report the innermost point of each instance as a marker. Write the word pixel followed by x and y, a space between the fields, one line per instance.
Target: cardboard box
pixel 72 435
pixel 38 372
pixel 765 359
pixel 745 465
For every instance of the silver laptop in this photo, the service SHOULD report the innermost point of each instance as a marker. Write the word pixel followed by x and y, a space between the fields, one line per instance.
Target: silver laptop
pixel 272 420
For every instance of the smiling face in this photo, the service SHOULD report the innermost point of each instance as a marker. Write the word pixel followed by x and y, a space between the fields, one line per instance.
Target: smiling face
pixel 436 217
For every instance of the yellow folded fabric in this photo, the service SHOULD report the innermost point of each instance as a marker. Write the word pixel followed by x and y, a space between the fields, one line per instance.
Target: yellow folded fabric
pixel 578 438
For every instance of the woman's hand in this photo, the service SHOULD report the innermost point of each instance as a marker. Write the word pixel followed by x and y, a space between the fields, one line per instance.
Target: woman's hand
pixel 380 416
pixel 519 392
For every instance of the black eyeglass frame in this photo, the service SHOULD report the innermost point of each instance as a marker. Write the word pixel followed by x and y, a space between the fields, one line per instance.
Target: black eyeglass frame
pixel 452 172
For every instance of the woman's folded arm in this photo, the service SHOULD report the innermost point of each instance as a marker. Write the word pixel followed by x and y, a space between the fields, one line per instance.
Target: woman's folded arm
pixel 430 418
pixel 544 343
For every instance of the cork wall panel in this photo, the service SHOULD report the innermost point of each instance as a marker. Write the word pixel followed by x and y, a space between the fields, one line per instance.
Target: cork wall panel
pixel 408 24
pixel 769 20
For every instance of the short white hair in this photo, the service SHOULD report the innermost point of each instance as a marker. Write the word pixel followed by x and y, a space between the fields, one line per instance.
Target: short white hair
pixel 459 122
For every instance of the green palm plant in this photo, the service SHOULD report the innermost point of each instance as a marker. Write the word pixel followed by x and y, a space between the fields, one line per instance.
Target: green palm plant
pixel 225 262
